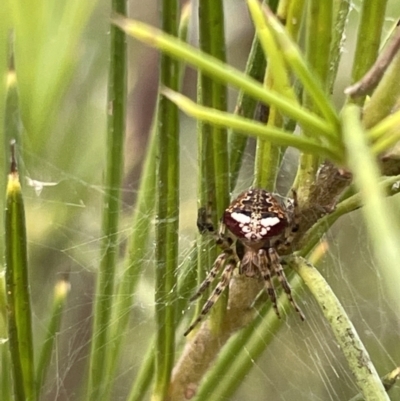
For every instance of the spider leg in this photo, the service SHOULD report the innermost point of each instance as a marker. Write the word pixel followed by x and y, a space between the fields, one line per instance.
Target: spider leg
pixel 225 243
pixel 275 264
pixel 225 279
pixel 219 262
pixel 265 270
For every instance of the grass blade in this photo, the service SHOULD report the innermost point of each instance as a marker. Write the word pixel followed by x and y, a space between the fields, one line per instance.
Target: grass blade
pixel 251 127
pixel 18 293
pixel 221 72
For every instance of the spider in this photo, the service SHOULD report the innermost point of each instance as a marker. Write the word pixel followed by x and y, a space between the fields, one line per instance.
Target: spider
pixel 262 224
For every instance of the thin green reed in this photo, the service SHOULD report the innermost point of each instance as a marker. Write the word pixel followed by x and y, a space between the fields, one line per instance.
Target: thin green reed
pixel 111 210
pixel 167 212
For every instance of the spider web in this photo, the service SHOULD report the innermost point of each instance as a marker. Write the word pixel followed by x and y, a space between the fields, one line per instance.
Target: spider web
pixel 303 362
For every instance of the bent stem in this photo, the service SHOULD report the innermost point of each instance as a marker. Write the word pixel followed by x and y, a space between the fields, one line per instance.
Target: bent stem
pixel 222 72
pixel 252 128
pixel 346 335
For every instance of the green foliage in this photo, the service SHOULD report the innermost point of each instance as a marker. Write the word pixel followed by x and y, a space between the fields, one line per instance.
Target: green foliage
pixel 70 142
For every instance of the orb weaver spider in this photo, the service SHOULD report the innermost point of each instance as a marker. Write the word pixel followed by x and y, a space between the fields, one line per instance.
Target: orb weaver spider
pixel 263 224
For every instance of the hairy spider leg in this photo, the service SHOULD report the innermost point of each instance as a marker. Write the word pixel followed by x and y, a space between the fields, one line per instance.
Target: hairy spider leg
pixel 265 271
pixel 219 262
pixel 275 264
pixel 225 279
pixel 225 243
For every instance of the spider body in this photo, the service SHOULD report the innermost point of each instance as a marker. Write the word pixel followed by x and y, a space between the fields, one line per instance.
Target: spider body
pixel 263 224
pixel 255 217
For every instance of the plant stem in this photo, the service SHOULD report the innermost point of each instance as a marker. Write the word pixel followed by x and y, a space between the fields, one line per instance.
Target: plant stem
pixel 245 105
pixel 136 251
pixel 213 94
pixel 213 153
pixel 251 127
pixel 61 291
pixel 353 349
pixel 18 292
pixel 167 212
pixel 341 15
pixel 221 72
pixel 318 41
pixel 268 158
pixel 378 215
pixel 110 223
pixel 186 285
pixel 228 373
pixel 315 233
pixel 368 39
pixel 144 377
pixel 313 85
pixel 383 100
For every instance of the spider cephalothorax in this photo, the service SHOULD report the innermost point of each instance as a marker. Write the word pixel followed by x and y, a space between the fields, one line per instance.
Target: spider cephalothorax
pixel 263 223
pixel 255 216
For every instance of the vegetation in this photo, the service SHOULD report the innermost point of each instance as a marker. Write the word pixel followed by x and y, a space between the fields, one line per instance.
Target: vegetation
pixel 90 309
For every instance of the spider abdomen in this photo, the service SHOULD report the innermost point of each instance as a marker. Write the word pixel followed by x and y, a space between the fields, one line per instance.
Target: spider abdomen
pixel 255 216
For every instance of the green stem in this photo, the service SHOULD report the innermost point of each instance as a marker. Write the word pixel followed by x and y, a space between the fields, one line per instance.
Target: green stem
pixel 245 105
pixel 380 130
pixel 5 379
pixel 316 232
pixel 61 291
pixel 388 382
pixel 136 251
pixel 213 94
pixel 144 377
pixel 167 212
pixel 221 71
pixel 318 40
pixel 235 360
pixel 341 14
pixel 368 39
pixel 295 10
pixel 312 84
pixel 386 95
pixel 18 293
pixel 251 127
pixel 110 223
pixel 277 79
pixel 137 248
pixel 382 228
pixel 213 150
pixel 347 337
pixel 186 285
